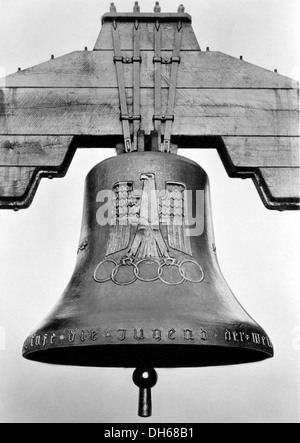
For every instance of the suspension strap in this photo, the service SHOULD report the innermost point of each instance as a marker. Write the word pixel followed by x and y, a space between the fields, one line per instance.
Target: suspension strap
pixel 172 89
pixel 118 59
pixel 157 80
pixel 158 118
pixel 136 83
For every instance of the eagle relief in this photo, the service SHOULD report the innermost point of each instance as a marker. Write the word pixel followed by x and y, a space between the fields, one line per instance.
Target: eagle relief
pixel 148 224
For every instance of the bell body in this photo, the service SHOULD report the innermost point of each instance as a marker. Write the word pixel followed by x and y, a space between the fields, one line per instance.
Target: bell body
pixel 147 289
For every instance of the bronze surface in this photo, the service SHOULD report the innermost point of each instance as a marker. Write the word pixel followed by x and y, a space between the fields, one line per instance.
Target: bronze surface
pixel 166 318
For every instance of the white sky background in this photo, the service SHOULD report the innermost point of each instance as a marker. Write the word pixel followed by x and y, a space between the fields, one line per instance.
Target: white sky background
pixel 258 250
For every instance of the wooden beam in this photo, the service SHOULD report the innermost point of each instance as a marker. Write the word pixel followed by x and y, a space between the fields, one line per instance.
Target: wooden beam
pixel 253 152
pixel 282 182
pixel 189 42
pixel 33 150
pixel 14 181
pixel 197 70
pixel 74 111
pixel 250 114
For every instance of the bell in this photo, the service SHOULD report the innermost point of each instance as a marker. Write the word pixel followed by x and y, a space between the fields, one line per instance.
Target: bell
pixel 147 290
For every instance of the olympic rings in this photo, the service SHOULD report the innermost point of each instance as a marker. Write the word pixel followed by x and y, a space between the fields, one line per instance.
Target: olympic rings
pixel 116 270
pixel 137 270
pixel 183 274
pixel 160 273
pixel 98 267
pixel 129 263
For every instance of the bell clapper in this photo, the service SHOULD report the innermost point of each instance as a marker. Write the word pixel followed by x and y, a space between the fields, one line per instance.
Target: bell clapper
pixel 145 379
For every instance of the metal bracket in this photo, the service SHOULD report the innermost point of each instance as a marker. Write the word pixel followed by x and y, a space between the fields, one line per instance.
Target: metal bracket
pixel 128 145
pixel 166 61
pixel 130 117
pixel 127 60
pixel 163 118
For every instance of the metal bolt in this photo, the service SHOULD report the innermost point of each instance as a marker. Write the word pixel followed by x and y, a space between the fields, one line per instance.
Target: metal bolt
pixel 157 7
pixel 7 145
pixel 85 48
pixel 275 70
pixel 50 177
pixel 181 9
pixel 207 48
pixel 136 7
pixel 52 57
pixel 113 8
pixel 241 57
pixel 16 209
pixel 19 69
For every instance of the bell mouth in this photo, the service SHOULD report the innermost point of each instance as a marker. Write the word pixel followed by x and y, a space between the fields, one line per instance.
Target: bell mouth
pixel 158 356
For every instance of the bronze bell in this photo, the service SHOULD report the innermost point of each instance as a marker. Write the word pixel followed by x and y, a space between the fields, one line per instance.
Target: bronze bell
pixel 147 290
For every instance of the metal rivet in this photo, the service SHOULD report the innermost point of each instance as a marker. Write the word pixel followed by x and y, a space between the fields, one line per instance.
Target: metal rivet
pixel 275 70
pixel 16 209
pixel 52 57
pixel 157 7
pixel 207 48
pixel 241 57
pixel 19 69
pixel 181 9
pixel 85 48
pixel 7 145
pixel 113 8
pixel 136 7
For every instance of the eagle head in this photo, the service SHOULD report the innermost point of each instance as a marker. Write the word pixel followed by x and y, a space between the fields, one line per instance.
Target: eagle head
pixel 147 176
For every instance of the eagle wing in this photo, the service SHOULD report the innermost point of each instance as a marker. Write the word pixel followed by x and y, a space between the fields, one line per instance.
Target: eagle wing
pixel 125 211
pixel 172 214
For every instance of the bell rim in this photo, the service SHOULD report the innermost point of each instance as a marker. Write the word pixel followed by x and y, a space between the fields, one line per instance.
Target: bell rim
pixel 155 355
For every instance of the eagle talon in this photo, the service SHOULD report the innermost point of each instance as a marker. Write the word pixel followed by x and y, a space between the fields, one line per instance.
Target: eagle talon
pixel 170 261
pixel 127 260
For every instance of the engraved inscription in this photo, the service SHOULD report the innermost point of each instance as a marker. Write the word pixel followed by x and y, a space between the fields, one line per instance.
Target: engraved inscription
pixel 83 336
pixel 171 334
pixel 139 334
pixel 256 338
pixel 94 335
pixel 203 333
pixel 157 334
pixel 122 334
pixel 45 338
pixel 188 334
pixel 154 335
pixel 241 337
pixel 71 337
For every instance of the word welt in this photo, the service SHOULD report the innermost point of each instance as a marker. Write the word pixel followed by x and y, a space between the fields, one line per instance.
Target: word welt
pixel 252 337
